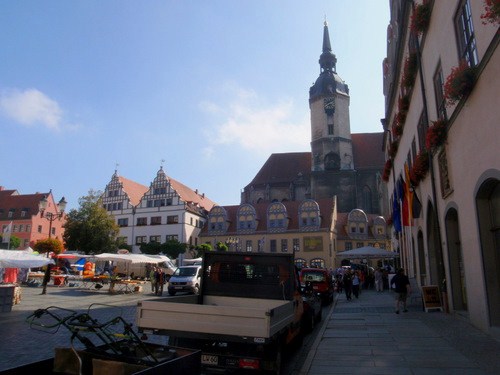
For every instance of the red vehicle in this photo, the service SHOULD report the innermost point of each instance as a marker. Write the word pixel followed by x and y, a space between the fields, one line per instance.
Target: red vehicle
pixel 321 282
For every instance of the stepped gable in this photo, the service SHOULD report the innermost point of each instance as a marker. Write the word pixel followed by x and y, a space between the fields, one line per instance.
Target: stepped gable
pixel 283 168
pixel 367 150
pixel 133 189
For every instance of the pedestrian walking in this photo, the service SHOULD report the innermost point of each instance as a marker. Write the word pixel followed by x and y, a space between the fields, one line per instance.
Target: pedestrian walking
pixel 356 284
pixel 402 288
pixel 379 280
pixel 347 284
pixel 160 281
pixel 46 278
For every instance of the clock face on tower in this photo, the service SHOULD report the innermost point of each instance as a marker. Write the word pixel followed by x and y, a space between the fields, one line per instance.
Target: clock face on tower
pixel 329 104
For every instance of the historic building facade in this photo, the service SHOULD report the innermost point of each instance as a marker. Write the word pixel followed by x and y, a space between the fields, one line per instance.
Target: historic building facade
pixel 31 217
pixel 166 210
pixel 340 164
pixel 441 83
pixel 305 228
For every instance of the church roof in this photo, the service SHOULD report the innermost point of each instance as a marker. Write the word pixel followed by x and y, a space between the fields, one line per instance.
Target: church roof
pixel 367 150
pixel 283 168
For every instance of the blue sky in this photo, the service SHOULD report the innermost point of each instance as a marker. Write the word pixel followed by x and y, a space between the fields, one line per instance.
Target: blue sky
pixel 209 89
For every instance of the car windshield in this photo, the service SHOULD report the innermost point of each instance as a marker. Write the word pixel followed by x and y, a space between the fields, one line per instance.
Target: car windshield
pixel 185 271
pixel 313 276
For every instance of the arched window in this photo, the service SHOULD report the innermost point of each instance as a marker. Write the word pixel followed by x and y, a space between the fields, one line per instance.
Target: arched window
pixel 217 221
pixel 277 217
pixel 309 216
pixel 247 219
pixel 317 263
pixel 379 227
pixel 357 222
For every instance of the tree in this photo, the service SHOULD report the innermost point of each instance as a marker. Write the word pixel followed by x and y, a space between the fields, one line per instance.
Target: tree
pixel 202 248
pixel 152 248
pixel 90 229
pixel 221 246
pixel 49 245
pixel 172 248
pixel 14 243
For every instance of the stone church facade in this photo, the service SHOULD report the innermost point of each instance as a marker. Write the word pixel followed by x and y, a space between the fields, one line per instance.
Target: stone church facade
pixel 340 164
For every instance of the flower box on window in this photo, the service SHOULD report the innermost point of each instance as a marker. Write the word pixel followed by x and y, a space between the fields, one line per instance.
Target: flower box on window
pixel 387 170
pixel 393 149
pixel 420 167
pixel 491 12
pixel 421 17
pixel 459 83
pixel 409 71
pixel 436 135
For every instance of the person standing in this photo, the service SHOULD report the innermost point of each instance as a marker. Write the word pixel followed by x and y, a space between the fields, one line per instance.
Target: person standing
pixel 379 280
pixel 160 281
pixel 347 284
pixel 356 284
pixel 402 288
pixel 152 278
pixel 46 278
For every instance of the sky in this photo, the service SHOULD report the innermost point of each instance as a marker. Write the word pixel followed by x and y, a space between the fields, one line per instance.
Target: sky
pixel 206 89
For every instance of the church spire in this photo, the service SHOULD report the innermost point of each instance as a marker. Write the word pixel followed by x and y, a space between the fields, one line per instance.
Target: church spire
pixel 327 60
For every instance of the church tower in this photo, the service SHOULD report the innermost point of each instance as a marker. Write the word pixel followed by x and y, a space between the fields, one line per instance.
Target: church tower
pixel 331 145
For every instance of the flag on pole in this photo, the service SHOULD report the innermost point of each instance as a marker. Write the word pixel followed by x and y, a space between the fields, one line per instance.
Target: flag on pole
pixel 396 214
pixel 7 232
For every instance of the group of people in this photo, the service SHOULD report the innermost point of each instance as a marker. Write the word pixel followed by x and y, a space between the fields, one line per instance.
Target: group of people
pixel 158 279
pixel 351 282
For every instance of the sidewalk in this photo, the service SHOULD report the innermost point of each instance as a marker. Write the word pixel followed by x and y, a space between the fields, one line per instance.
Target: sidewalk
pixel 365 336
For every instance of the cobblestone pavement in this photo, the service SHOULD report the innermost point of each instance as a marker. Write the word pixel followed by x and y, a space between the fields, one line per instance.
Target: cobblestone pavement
pixel 365 336
pixel 21 344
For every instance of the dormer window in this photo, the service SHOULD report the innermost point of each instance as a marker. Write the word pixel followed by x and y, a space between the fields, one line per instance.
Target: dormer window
pixel 277 217
pixel 217 221
pixel 247 219
pixel 309 214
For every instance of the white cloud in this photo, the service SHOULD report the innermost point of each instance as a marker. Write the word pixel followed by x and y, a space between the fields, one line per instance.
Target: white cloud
pixel 31 108
pixel 246 122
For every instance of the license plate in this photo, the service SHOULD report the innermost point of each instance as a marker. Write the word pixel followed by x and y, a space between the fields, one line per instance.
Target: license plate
pixel 178 287
pixel 209 359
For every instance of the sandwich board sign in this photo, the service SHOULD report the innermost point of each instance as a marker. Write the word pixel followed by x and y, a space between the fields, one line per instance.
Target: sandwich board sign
pixel 432 298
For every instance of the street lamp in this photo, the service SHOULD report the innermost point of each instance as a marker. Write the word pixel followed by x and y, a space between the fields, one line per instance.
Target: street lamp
pixel 51 216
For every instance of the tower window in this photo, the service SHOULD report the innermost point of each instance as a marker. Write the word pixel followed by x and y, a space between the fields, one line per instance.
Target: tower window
pixel 330 129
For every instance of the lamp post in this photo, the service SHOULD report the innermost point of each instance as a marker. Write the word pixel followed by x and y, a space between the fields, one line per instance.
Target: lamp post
pixel 51 216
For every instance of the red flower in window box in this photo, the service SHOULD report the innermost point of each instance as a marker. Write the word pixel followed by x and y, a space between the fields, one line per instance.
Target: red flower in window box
pixel 420 18
pixel 459 83
pixel 409 71
pixel 436 135
pixel 491 12
pixel 397 130
pixel 393 149
pixel 404 104
pixel 420 167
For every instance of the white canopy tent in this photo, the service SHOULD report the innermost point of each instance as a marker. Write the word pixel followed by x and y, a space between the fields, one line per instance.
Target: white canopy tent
pixel 132 262
pixel 367 252
pixel 22 259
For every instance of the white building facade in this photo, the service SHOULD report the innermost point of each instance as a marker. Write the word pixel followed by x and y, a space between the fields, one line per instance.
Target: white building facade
pixel 167 210
pixel 441 83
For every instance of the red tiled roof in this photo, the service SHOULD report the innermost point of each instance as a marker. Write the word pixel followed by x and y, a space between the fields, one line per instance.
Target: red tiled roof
pixel 19 202
pixel 189 195
pixel 367 150
pixel 326 207
pixel 283 168
pixel 134 190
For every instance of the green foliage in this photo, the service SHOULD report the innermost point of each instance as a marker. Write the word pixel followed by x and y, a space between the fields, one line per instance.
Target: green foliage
pixel 204 247
pixel 15 242
pixel 90 229
pixel 221 246
pixel 173 248
pixel 152 248
pixel 49 245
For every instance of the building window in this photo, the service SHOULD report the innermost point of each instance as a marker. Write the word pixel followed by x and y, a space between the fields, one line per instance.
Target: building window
pixel 39 229
pixel 261 244
pixel 28 228
pixel 142 221
pixel 155 239
pixel 272 244
pixel 330 129
pixel 169 201
pixel 276 217
pixel 21 227
pixel 248 246
pixel 53 231
pixel 465 35
pixel 11 213
pixel 141 239
pixel 156 220
pixel 24 212
pixel 173 219
pixel 359 244
pixel 317 263
pixel 284 245
pixel 161 190
pixel 296 245
pixel 159 202
pixel 348 246
pixel 439 93
pixel 172 237
pixel 422 127
pixel 123 222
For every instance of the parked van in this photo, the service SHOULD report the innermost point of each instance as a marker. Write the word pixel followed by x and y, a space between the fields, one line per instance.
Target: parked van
pixel 320 281
pixel 185 279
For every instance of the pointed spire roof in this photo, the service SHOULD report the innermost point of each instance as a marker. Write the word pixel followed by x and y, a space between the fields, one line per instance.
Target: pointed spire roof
pixel 328 82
